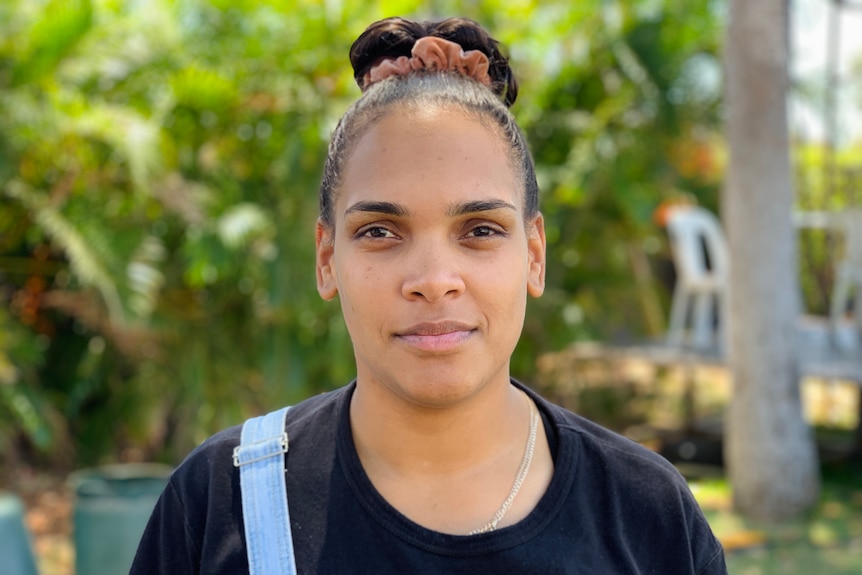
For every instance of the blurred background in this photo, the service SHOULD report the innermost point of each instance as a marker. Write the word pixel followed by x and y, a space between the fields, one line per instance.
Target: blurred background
pixel 159 166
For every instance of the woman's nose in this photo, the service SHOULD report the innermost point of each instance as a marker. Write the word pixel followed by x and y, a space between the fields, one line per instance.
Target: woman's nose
pixel 431 273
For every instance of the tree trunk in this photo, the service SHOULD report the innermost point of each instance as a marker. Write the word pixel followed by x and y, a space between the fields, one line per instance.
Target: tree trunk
pixel 770 451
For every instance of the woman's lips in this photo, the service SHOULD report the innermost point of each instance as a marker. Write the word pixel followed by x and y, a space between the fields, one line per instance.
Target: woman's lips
pixel 436 336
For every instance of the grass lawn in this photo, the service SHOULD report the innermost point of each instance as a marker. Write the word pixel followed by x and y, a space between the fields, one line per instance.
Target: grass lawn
pixel 828 541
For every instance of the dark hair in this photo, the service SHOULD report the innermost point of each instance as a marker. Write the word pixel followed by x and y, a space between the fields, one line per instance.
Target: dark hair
pixel 394 37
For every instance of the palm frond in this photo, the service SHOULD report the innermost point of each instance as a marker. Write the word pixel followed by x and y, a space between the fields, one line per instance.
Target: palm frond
pixel 203 89
pixel 61 25
pixel 19 402
pixel 145 279
pixel 134 136
pixel 25 412
pixel 244 223
pixel 83 261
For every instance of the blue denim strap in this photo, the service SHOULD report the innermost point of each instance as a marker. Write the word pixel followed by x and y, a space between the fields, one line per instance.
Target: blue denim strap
pixel 260 458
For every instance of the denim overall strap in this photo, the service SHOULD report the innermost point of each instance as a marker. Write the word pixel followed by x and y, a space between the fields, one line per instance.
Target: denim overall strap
pixel 261 462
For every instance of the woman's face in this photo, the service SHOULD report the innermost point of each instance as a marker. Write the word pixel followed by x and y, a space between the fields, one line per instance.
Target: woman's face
pixel 431 257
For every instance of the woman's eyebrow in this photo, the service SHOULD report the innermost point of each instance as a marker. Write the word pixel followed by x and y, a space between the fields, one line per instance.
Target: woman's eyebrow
pixel 478 206
pixel 390 208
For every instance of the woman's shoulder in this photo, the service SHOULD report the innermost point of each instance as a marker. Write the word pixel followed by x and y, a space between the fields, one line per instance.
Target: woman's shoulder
pixel 591 444
pixel 302 418
pixel 622 486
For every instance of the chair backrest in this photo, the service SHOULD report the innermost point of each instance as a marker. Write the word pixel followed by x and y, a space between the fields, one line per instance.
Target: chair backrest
pixel 852 230
pixel 699 246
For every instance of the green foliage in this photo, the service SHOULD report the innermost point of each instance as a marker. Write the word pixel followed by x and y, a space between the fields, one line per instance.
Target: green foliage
pixel 48 40
pixel 626 106
pixel 20 403
pixel 159 165
pixel 823 185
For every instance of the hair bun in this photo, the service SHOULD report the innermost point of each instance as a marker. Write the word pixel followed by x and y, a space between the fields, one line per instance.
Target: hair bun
pixel 394 37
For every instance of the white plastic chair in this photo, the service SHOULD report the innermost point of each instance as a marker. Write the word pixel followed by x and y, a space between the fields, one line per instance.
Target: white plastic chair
pixel 848 271
pixel 700 257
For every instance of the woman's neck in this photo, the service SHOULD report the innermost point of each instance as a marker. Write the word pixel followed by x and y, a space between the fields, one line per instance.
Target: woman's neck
pixel 394 435
pixel 451 468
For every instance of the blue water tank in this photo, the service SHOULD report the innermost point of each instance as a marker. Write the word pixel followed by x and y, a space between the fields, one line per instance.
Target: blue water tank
pixel 112 506
pixel 15 550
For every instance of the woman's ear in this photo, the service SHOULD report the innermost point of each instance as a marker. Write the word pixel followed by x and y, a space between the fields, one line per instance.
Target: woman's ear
pixel 536 249
pixel 324 243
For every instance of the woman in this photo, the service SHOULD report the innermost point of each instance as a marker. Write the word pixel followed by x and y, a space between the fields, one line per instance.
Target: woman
pixel 433 460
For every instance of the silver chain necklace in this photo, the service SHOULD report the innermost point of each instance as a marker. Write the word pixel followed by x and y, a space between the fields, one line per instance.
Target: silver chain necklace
pixel 522 472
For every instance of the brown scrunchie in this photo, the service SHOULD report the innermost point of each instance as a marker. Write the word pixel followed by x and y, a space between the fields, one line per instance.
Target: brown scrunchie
pixel 432 53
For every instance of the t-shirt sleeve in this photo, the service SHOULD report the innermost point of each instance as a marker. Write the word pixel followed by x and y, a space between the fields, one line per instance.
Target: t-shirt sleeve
pixel 707 551
pixel 641 510
pixel 167 546
pixel 715 565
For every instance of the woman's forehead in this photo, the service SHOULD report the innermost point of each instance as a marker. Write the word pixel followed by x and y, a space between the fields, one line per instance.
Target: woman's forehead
pixel 433 126
pixel 439 154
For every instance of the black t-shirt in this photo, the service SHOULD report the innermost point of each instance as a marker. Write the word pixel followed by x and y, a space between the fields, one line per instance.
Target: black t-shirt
pixel 611 507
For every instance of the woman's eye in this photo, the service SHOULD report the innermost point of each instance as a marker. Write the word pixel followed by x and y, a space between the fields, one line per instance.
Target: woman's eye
pixel 483 232
pixel 376 233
